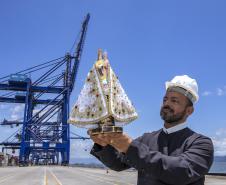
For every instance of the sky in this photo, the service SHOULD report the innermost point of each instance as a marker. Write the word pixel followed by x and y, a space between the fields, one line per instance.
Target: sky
pixel 148 43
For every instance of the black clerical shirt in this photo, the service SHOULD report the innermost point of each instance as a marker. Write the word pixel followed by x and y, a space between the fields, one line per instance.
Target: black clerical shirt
pixel 179 158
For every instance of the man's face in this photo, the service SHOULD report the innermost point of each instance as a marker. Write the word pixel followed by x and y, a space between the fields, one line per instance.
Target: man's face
pixel 174 108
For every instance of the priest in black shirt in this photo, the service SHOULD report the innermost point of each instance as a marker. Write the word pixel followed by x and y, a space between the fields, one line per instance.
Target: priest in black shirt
pixel 173 155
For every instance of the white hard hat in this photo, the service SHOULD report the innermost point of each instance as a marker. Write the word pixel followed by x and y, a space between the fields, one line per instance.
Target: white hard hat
pixel 188 84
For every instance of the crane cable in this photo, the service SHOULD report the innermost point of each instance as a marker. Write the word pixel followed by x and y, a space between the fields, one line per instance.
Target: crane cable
pixel 30 70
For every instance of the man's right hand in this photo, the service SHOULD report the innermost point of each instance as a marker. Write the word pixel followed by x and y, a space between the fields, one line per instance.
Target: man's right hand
pixel 100 139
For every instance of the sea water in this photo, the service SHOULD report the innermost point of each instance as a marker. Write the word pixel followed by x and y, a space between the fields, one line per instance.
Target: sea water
pixel 218 167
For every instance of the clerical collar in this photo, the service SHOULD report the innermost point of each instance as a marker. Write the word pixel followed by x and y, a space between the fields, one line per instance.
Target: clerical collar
pixel 175 128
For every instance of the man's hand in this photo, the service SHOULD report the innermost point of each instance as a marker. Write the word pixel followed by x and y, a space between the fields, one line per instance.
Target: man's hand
pixel 100 139
pixel 120 141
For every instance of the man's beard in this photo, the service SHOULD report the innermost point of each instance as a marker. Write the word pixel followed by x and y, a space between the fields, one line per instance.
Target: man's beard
pixel 167 114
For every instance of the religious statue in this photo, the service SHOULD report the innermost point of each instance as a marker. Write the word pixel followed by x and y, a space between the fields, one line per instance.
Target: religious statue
pixel 102 105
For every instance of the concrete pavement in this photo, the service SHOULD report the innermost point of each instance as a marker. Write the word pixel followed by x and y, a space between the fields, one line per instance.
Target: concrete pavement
pixel 58 175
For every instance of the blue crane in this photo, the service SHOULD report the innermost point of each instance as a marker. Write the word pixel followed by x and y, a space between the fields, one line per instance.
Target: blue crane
pixel 44 133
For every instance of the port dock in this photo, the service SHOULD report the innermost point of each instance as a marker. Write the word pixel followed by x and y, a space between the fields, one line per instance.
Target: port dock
pixel 61 175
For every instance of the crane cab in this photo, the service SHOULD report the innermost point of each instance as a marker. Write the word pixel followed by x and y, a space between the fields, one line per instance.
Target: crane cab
pixel 18 79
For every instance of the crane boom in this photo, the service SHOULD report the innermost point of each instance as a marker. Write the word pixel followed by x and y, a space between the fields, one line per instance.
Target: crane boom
pixel 78 52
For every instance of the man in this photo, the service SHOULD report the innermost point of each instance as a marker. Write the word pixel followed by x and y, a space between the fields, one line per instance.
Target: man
pixel 173 155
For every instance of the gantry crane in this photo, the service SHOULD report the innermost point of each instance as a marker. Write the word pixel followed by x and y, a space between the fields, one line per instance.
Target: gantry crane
pixel 44 90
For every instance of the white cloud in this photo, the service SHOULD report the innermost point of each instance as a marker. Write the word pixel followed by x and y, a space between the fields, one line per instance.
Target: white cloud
pixel 221 132
pixel 52 119
pixel 81 148
pixel 220 92
pixel 206 93
pixel 3 106
pixel 219 142
pixel 17 112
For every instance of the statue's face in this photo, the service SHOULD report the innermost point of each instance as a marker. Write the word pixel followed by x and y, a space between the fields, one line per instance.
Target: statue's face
pixel 175 108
